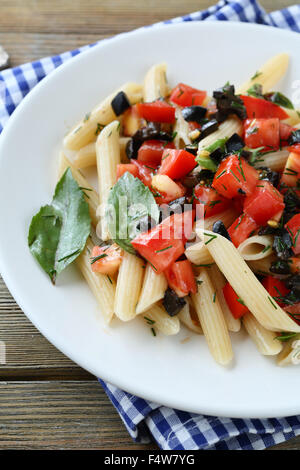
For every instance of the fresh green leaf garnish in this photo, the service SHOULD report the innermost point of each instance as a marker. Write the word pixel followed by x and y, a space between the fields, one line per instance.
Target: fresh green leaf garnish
pixel 280 99
pixel 129 201
pixel 58 232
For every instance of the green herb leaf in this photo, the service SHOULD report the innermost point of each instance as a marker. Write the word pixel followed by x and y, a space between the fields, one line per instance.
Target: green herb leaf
pixel 58 232
pixel 129 201
pixel 280 99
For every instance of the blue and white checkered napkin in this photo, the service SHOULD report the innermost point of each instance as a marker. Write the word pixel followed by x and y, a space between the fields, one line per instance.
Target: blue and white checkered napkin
pixel 145 421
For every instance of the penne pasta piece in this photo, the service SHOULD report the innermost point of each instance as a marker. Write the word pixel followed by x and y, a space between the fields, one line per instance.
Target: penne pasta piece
pixel 155 83
pixel 256 247
pixel 189 317
pixel 293 118
pixel 262 266
pixel 231 126
pixel 102 286
pixel 108 157
pixel 153 290
pixel 290 354
pixel 247 286
pixel 268 75
pixel 88 128
pixel 273 160
pixel 181 130
pixel 198 254
pixel 264 339
pixel 228 216
pixel 129 285
pixel 212 321
pixel 162 321
pixel 92 195
pixel 86 156
pixel 219 281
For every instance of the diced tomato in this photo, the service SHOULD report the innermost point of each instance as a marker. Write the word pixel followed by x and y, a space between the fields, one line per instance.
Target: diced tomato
pixel 131 121
pixel 294 311
pixel 181 278
pixel 294 149
pixel 234 174
pixel 163 244
pixel 285 131
pixel 157 111
pixel 264 203
pixel 293 227
pixel 262 109
pixel 177 163
pixel 291 171
pixel 184 95
pixel 152 150
pixel 106 259
pixel 146 172
pixel 214 203
pixel 241 229
pixel 262 133
pixel 238 204
pixel 124 167
pixel 294 264
pixel 234 303
pixel 275 288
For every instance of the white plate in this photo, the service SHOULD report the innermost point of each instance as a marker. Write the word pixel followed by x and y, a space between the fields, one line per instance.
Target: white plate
pixel 160 369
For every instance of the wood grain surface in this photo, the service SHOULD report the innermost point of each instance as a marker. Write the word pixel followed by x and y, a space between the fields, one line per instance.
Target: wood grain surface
pixel 46 401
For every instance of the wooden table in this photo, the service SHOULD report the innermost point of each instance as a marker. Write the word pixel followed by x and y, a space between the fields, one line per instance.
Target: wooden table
pixel 46 401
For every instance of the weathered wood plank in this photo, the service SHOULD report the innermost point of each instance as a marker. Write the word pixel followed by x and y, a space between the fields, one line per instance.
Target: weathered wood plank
pixel 60 415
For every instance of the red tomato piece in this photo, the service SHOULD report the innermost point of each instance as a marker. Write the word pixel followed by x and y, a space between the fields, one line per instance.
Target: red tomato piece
pixel 179 226
pixel 262 109
pixel 181 278
pixel 294 148
pixel 124 167
pixel 262 133
pixel 294 265
pixel 275 288
pixel 214 203
pixel 106 259
pixel 241 229
pixel 157 111
pixel 293 227
pixel 177 163
pixel 285 131
pixel 145 172
pixel 264 203
pixel 152 150
pixel 233 301
pixel 184 95
pixel 234 174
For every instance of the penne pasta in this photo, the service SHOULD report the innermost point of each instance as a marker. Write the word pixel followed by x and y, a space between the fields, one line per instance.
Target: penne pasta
pixel 231 126
pixel 181 130
pixel 92 195
pixel 198 254
pixel 155 83
pixel 247 286
pixel 129 285
pixel 86 156
pixel 153 289
pixel 162 321
pixel 290 354
pixel 256 247
pixel 189 317
pixel 88 128
pixel 262 266
pixel 293 118
pixel 212 321
pixel 268 75
pixel 273 160
pixel 228 216
pixel 219 281
pixel 108 157
pixel 264 340
pixel 102 286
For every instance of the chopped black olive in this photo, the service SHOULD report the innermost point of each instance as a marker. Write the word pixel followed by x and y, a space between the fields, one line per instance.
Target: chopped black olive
pixel 229 103
pixel 145 224
pixel 151 132
pixel 174 207
pixel 172 303
pixel 240 191
pixel 246 154
pixel 192 149
pixel 282 244
pixel 132 148
pixel 120 103
pixel 280 267
pixel 194 113
pixel 234 144
pixel 267 230
pixel 217 156
pixel 220 228
pixel 292 201
pixel 294 137
pixel 192 179
pixel 266 173
pixel 293 282
pixel 208 128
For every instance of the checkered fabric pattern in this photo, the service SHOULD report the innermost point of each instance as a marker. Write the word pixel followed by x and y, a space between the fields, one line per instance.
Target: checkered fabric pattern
pixel 146 421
